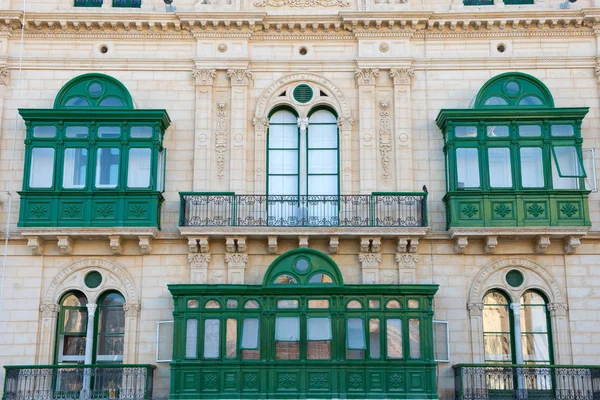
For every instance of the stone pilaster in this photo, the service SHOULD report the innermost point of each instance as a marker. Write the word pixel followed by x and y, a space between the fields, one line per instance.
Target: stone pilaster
pixel 261 125
pixel 370 267
pixel 48 320
pixel 236 267
pixel 199 267
pixel 203 79
pixel 561 341
pixel 407 268
pixel 476 322
pixel 345 133
pixel 240 79
pixel 365 78
pixel 403 128
pixel 132 313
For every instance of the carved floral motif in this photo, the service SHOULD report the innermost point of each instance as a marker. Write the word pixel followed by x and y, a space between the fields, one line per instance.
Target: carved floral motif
pixel 385 139
pixel 221 139
pixel 204 76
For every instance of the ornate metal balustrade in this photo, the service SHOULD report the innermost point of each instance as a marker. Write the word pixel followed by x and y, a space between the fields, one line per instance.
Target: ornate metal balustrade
pixel 378 209
pixel 548 382
pixel 81 382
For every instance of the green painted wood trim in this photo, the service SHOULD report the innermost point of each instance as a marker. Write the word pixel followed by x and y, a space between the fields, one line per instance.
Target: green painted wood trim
pixel 285 290
pixel 95 114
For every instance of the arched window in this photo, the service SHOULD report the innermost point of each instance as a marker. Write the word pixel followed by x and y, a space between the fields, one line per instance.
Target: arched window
pixel 111 329
pixel 535 329
pixel 72 328
pixel 497 335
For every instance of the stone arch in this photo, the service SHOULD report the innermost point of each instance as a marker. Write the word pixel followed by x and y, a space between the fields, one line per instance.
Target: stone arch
pixel 536 278
pixel 114 277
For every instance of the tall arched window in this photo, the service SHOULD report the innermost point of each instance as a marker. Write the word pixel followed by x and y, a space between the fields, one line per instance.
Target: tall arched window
pixel 111 329
pixel 72 328
pixel 283 154
pixel 535 329
pixel 497 332
pixel 323 156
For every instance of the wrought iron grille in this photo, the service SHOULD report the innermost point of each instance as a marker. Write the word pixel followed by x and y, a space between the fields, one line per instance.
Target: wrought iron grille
pixel 228 209
pixel 548 382
pixel 81 382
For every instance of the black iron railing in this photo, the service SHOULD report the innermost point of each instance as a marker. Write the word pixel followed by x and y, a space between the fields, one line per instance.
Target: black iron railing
pixel 81 382
pixel 378 209
pixel 548 382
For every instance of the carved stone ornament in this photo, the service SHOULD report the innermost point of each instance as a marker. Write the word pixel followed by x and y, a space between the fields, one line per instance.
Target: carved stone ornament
pixel 198 260
pixel 384 47
pixel 541 244
pixel 260 124
pixel 65 245
pixel 406 260
pixel 385 139
pixel 35 243
pixel 131 309
pixel 490 244
pixel 402 76
pixel 49 310
pixel 303 242
pixel 236 260
pixel 145 244
pixel 239 76
pixel 273 248
pixel 334 244
pixel 221 139
pixel 5 76
pixel 222 48
pixel 558 309
pixel 204 76
pixel 369 260
pixel 475 309
pixel 460 244
pixel 302 3
pixel 571 244
pixel 366 76
pixel 115 245
pixel 345 124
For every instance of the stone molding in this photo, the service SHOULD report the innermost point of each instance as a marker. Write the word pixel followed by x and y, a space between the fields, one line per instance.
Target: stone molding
pixel 302 3
pixel 369 260
pixel 239 77
pixel 49 310
pixel 132 310
pixel 406 260
pixel 199 260
pixel 366 76
pixel 402 76
pixel 203 77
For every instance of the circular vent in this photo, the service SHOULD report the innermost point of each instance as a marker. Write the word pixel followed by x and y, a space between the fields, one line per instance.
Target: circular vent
pixel 303 93
pixel 93 279
pixel 514 278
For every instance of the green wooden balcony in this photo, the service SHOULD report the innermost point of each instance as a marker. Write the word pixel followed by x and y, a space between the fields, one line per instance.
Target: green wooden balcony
pixel 78 382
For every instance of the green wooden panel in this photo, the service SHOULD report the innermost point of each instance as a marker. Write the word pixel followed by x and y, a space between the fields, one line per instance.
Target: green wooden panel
pixel 396 381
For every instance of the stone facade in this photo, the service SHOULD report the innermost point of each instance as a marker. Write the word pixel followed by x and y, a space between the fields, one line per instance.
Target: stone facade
pixel 218 68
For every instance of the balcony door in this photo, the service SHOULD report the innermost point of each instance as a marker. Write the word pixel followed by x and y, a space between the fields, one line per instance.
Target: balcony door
pixel 303 169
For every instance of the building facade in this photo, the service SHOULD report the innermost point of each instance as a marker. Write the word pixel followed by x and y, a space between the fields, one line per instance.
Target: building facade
pixel 299 199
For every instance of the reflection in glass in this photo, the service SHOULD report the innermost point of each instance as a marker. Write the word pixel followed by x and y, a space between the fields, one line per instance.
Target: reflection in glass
pixel 496 328
pixel 465 131
pixel 107 167
pixel 530 130
pixel 191 338
pixel 74 168
pixel 467 165
pixel 532 167
pixel 414 333
pixel 212 329
pixel 500 167
pixel 41 173
pixel 374 338
pixel 320 278
pixel 497 131
pixel 231 338
pixel 393 327
pixel 285 279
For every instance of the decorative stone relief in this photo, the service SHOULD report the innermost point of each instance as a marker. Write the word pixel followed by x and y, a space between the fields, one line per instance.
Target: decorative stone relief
pixel 490 244
pixel 558 309
pixel 460 244
pixel 385 139
pixel 571 244
pixel 36 245
pixel 334 244
pixel 198 267
pixel 204 76
pixel 145 244
pixel 236 267
pixel 370 244
pixel 222 48
pixel 366 76
pixel 406 260
pixel 272 246
pixel 303 242
pixel 115 245
pixel 239 76
pixel 541 244
pixel 302 3
pixel 402 76
pixel 49 310
pixel 384 47
pixel 475 309
pixel 235 244
pixel 131 309
pixel 370 267
pixel 203 244
pixel 303 125
pixel 65 245
pixel 5 76
pixel 345 124
pixel 221 139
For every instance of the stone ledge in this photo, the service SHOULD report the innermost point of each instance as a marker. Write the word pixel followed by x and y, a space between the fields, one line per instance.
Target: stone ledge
pixel 294 232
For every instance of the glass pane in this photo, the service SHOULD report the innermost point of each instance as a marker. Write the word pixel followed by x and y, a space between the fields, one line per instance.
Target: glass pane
pixel 138 171
pixel 283 185
pixel 500 167
pixel 213 304
pixel 75 168
pixel 285 280
pixel 110 345
pixel 160 180
pixel 283 161
pixel 495 101
pixel 75 300
pixel 322 136
pixel 112 102
pixel 495 318
pixel 212 329
pixel 532 298
pixel 73 345
pixel 251 354
pixel 283 117
pixel 569 164
pixel 374 338
pixel 75 321
pixel 44 131
pixel 497 131
pixel 440 341
pixel 113 299
pixel 562 183
pixel 192 303
pixel 534 319
pixel 109 132
pixel 532 167
pixel 283 136
pixel 318 304
pixel 112 319
pixel 232 303
pixel 535 347
pixel 287 350
pixel 191 338
pixel 107 167
pixel 322 117
pixel 356 334
pixel 318 350
pixel 512 87
pixel 530 101
pixel 250 333
pixel 415 338
pixel 287 303
pixel 413 304
pixel 467 166
pixel 141 131
pixel 323 185
pixel 394 337
pixel 562 130
pixel 530 130
pixel 354 305
pixel 392 304
pixel 287 329
pixel 320 278
pixel 77 132
pixel 319 328
pixel 497 346
pixel 231 338
pixel 322 161
pixel 41 174
pixel 77 102
pixel 465 131
pixel 251 304
pixel 494 298
pixel 373 303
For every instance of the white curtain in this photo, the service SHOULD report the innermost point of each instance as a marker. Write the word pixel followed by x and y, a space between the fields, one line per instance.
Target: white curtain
pixel 75 167
pixel 250 333
pixel 191 338
pixel 467 166
pixel 319 328
pixel 212 329
pixel 356 334
pixel 42 167
pixel 287 329
pixel 138 171
pixel 500 167
pixel 532 167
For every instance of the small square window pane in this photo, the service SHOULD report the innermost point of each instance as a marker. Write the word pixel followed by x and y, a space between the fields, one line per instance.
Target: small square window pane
pixel 44 131
pixel 283 136
pixel 497 347
pixel 374 304
pixel 287 303
pixel 530 130
pixel 191 338
pixel 393 328
pixel 467 166
pixel 500 167
pixel 322 136
pixel 285 186
pixel 73 345
pixel 212 329
pixel 250 328
pixel 75 168
pixel 232 303
pixel 318 304
pixel 141 131
pixel 138 171
pixel 465 131
pixel 322 161
pixel 532 167
pixel 75 321
pixel 109 132
pixel 287 329
pixel 535 347
pixel 319 328
pixel 562 130
pixel 107 167
pixel 497 131
pixel 356 334
pixel 413 304
pixel 41 173
pixel 559 182
pixel 77 132
pixel 110 347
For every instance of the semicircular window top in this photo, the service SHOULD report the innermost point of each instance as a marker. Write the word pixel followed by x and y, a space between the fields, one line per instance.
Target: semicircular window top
pixel 514 90
pixel 96 146
pixel 303 267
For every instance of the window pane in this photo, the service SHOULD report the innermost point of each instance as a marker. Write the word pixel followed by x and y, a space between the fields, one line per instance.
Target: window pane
pixel 532 167
pixel 141 131
pixel 287 303
pixel 77 102
pixel 283 136
pixel 75 321
pixel 320 278
pixel 530 101
pixel 373 303
pixel 467 167
pixel 212 304
pixel 414 333
pixel 562 130
pixel 318 350
pixel 287 350
pixel 138 171
pixel 283 185
pixel 562 183
pixel 535 347
pixel 285 280
pixel 73 345
pixel 322 161
pixel 534 319
pixel 500 167
pixel 44 131
pixel 322 136
pixel 212 329
pixel 191 338
pixel 495 318
pixel 107 168
pixel 530 130
pixel 250 333
pixel 569 164
pixel 374 338
pixel 497 346
pixel 318 304
pixel 465 131
pixel 75 167
pixel 77 132
pixel 109 132
pixel 356 334
pixel 441 348
pixel 495 101
pixel 323 185
pixel 110 345
pixel 283 161
pixel 319 328
pixel 160 180
pixel 497 131
pixel 287 329
pixel 111 102
pixel 42 167
pixel 112 319
pixel 231 338
pixel 322 117
pixel 283 117
pixel 394 337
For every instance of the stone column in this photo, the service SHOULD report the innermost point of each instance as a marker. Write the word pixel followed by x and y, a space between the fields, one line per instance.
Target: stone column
pixel 476 322
pixel 48 316
pixel 202 135
pixel 345 133
pixel 403 129
pixel 240 79
pixel 130 351
pixel 89 333
pixel 365 77
pixel 370 267
pixel 561 342
pixel 516 308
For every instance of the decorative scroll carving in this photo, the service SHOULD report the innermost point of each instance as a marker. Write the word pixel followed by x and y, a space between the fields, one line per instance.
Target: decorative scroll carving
pixel 303 242
pixel 369 260
pixel 366 76
pixel 475 309
pixel 204 76
pixel 406 260
pixel 571 244
pixel 385 139
pixel 199 260
pixel 239 76
pixel 221 139
pixel 5 76
pixel 273 248
pixel 460 244
pixel 334 244
pixel 236 260
pixel 402 76
pixel 65 245
pixel 541 244
pixel 131 309
pixel 345 124
pixel 490 244
pixel 302 3
pixel 145 244
pixel 36 245
pixel 49 310
pixel 115 245
pixel 558 309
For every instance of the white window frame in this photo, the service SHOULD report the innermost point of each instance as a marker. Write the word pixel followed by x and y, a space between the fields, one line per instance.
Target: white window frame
pixel 447 341
pixel 591 172
pixel 158 324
